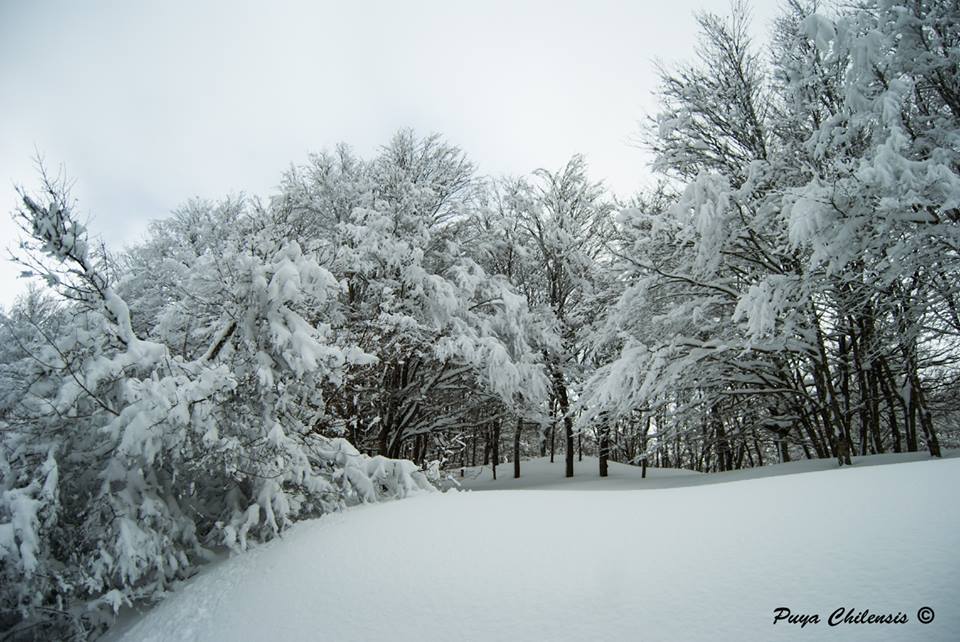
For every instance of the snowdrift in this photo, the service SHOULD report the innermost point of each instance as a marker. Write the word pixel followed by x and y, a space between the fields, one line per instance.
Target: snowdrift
pixel 699 563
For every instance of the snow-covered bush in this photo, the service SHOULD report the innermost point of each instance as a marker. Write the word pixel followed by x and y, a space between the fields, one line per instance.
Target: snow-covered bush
pixel 124 461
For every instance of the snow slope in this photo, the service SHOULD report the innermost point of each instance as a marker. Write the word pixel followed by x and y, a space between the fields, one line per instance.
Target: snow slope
pixel 708 562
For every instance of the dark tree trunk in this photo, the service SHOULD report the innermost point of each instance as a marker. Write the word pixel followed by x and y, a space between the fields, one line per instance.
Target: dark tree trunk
pixel 725 453
pixel 813 437
pixel 827 394
pixel 496 446
pixel 553 426
pixel 563 408
pixel 516 449
pixel 417 457
pixel 843 451
pixel 885 379
pixel 933 444
pixel 604 444
pixel 911 422
pixel 844 359
pixel 926 420
pixel 643 447
pixel 864 353
pixel 784 448
pixel 757 449
pixel 553 440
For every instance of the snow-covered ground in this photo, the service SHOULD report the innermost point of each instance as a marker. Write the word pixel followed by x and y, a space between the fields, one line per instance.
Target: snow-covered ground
pixel 706 562
pixel 541 474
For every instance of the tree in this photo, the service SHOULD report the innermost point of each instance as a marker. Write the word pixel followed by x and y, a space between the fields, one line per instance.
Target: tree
pixel 566 219
pixel 453 343
pixel 125 463
pixel 798 283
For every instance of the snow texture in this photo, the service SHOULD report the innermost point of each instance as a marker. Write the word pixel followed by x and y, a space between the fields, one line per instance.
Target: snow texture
pixel 702 563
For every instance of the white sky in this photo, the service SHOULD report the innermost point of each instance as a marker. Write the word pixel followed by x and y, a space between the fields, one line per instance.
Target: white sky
pixel 147 104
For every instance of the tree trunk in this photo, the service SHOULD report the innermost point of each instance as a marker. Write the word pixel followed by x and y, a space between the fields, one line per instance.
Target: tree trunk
pixel 496 446
pixel 885 379
pixel 487 447
pixel 813 437
pixel 553 440
pixel 926 420
pixel 724 451
pixel 784 448
pixel 844 359
pixel 911 421
pixel 604 445
pixel 563 410
pixel 418 450
pixel 516 449
pixel 643 447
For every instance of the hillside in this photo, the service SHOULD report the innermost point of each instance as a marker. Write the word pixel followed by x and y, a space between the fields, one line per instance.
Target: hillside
pixel 705 562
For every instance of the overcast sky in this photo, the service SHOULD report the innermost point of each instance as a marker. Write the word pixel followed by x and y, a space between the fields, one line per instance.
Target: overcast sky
pixel 146 104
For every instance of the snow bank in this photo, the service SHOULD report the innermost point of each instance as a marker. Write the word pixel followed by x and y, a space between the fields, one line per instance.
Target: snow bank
pixel 700 563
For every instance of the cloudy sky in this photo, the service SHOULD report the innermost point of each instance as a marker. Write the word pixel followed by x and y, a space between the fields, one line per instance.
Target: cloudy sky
pixel 146 104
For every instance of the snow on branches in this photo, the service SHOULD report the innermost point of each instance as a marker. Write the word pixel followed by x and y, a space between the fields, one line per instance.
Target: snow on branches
pixel 126 462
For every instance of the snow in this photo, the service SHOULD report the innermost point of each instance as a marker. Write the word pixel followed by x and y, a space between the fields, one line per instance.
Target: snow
pixel 540 474
pixel 711 561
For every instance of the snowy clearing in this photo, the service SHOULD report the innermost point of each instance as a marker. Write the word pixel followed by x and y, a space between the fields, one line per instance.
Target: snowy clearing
pixel 701 563
pixel 540 474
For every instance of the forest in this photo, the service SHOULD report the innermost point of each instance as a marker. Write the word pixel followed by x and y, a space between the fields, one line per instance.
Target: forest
pixel 787 287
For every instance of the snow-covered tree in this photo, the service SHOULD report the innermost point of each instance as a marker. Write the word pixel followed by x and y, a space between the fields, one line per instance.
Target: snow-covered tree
pixel 802 281
pixel 453 343
pixel 125 464
pixel 566 220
